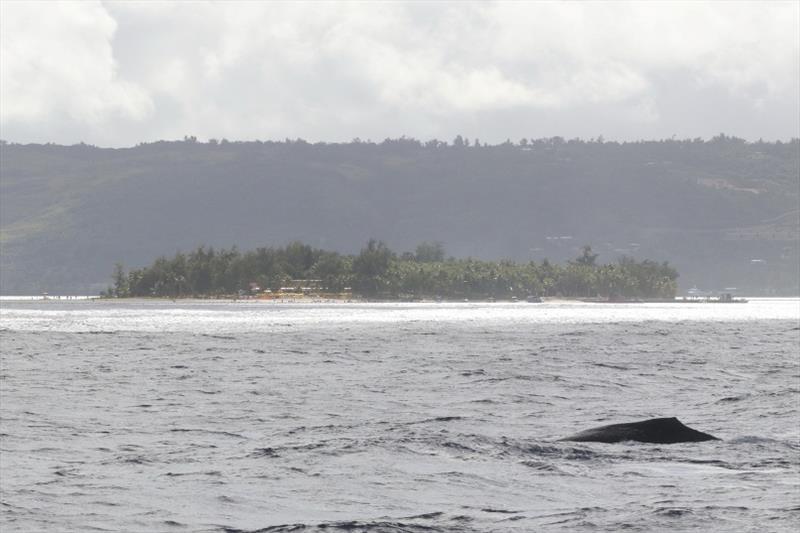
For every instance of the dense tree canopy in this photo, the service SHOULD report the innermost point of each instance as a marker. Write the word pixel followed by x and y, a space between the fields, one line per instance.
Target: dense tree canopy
pixel 377 272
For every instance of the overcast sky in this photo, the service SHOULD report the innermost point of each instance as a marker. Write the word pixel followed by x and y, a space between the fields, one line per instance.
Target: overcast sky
pixel 119 73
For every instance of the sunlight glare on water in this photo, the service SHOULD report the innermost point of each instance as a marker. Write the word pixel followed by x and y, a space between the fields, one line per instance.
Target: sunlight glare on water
pixel 223 315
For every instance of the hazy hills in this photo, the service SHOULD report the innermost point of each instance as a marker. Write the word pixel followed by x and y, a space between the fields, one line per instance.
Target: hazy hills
pixel 724 212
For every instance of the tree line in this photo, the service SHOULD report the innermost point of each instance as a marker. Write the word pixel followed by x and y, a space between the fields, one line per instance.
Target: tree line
pixel 379 273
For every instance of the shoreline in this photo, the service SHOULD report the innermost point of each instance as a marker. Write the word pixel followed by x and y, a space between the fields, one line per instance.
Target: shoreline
pixel 326 299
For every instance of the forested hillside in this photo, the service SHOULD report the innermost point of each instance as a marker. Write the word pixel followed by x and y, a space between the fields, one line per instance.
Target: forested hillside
pixel 724 212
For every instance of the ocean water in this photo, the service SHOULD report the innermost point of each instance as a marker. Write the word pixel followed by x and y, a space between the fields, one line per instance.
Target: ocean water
pixel 255 416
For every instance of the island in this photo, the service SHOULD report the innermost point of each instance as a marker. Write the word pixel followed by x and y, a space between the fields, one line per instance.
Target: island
pixel 378 273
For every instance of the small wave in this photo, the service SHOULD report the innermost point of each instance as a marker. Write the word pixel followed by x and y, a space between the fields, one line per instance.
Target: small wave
pixel 353 526
pixel 434 419
pixel 66 472
pixel 106 503
pixel 458 446
pixel 491 380
pixel 207 431
pixel 726 508
pixel 754 439
pixel 129 447
pixel 728 399
pixel 212 473
pixel 135 460
pixel 615 367
pixel 570 453
pixel 565 517
pixel 711 462
pixel 221 337
pixel 435 514
pixel 543 466
pixel 443 419
pixel 673 512
pixel 264 452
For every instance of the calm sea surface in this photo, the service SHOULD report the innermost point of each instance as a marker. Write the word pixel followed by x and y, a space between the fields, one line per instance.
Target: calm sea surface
pixel 220 416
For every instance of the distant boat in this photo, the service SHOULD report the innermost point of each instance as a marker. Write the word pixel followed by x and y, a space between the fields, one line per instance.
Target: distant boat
pixel 724 298
pixel 534 299
pixel 695 292
pixel 727 298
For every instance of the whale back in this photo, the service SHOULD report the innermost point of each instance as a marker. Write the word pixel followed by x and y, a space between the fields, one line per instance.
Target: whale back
pixel 655 430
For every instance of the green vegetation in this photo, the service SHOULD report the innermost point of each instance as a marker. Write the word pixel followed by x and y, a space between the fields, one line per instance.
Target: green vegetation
pixel 378 273
pixel 723 211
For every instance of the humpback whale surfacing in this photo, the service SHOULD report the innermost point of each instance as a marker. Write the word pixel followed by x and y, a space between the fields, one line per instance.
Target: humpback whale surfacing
pixel 656 430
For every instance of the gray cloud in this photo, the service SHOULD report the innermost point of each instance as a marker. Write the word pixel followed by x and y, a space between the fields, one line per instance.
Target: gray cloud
pixel 119 73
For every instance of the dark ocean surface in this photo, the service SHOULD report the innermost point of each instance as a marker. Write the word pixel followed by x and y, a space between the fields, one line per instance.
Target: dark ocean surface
pixel 253 416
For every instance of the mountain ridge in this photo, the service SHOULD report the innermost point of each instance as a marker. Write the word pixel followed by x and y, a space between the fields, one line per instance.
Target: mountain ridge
pixel 723 211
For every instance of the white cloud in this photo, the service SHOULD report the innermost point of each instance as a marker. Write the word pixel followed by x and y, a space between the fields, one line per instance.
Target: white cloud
pixel 120 73
pixel 57 60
